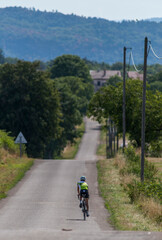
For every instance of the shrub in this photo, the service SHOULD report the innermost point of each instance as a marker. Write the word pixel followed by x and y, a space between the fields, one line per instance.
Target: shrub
pixel 7 142
pixel 150 170
pixel 155 149
pixel 148 189
pixel 134 164
pixel 131 155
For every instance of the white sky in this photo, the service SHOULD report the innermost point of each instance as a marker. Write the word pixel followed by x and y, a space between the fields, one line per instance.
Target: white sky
pixel 108 9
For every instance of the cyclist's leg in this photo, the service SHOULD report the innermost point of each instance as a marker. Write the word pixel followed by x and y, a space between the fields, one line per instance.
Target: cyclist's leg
pixel 86 200
pixel 87 204
pixel 80 197
pixel 80 205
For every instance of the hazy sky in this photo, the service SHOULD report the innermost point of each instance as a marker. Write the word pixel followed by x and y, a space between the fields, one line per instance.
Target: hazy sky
pixel 108 9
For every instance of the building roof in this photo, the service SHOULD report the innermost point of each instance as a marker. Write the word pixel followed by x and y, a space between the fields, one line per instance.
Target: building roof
pixel 135 75
pixel 104 74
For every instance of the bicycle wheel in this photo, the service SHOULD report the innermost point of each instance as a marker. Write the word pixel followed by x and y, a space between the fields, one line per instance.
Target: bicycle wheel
pixel 84 210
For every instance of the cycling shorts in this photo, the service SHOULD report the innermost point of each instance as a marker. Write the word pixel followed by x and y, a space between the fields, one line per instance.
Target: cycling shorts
pixel 84 191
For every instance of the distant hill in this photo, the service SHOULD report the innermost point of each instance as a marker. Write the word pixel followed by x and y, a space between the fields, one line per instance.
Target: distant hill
pixel 154 20
pixel 30 34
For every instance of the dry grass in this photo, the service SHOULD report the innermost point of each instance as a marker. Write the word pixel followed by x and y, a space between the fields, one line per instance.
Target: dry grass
pixel 4 155
pixel 158 163
pixel 119 162
pixel 124 215
pixel 12 169
pixel 151 208
pixel 70 150
pixel 142 216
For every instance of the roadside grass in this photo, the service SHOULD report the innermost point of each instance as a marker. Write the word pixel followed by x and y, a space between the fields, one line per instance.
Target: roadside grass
pixel 71 150
pixel 101 150
pixel 12 169
pixel 125 215
pixel 158 164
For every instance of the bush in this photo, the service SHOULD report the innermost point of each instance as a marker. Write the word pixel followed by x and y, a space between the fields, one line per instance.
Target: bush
pixel 148 189
pixel 131 155
pixel 150 171
pixel 134 164
pixel 151 188
pixel 155 149
pixel 7 142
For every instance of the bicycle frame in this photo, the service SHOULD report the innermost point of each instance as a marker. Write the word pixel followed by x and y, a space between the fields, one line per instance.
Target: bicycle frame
pixel 84 207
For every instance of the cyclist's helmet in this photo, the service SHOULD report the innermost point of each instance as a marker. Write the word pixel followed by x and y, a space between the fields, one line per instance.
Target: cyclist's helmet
pixel 83 178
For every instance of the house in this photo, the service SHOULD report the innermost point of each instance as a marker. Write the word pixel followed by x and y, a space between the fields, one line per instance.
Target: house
pixel 135 75
pixel 100 77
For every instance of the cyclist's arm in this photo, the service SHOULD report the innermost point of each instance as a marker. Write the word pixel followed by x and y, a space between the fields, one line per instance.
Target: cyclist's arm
pixel 78 189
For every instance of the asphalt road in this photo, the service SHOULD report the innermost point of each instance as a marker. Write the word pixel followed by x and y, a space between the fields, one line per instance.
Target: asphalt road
pixel 44 204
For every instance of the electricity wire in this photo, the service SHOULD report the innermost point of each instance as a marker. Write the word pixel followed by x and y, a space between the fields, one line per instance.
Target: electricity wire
pixel 154 51
pixel 128 64
pixel 129 61
pixel 134 63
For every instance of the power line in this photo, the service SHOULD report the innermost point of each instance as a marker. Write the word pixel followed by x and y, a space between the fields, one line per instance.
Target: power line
pixel 154 51
pixel 134 63
pixel 131 56
pixel 128 66
pixel 129 61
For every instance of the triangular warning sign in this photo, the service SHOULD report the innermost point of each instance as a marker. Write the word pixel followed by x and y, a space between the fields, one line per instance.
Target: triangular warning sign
pixel 20 138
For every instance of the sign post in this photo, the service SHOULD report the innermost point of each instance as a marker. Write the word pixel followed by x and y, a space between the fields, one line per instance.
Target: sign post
pixel 20 139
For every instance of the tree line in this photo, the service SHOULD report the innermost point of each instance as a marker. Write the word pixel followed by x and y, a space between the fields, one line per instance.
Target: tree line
pixel 108 101
pixel 46 105
pixel 47 102
pixel 154 71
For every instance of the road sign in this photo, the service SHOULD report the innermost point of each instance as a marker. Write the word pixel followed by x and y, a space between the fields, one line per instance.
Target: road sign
pixel 20 138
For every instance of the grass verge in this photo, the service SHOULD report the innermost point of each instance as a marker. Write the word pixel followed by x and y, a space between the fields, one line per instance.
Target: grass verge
pixel 12 169
pixel 158 164
pixel 124 214
pixel 71 149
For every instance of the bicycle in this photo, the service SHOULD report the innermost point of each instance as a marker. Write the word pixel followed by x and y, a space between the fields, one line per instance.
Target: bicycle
pixel 84 207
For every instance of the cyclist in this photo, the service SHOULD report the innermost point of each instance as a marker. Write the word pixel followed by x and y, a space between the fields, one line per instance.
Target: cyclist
pixel 82 187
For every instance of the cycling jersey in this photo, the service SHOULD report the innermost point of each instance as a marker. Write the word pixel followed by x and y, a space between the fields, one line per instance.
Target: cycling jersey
pixel 83 189
pixel 82 185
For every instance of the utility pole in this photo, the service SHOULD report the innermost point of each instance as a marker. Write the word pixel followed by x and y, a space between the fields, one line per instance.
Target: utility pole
pixel 117 140
pixel 143 111
pixel 124 70
pixel 106 138
pixel 114 138
pixel 110 137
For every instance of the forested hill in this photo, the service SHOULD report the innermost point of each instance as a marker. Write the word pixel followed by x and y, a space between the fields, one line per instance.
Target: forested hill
pixel 30 34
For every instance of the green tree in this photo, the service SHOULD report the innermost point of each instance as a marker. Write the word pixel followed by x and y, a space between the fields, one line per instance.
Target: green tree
pixel 29 102
pixel 108 102
pixel 74 83
pixel 73 103
pixel 71 65
pixel 11 60
pixel 155 81
pixel 77 88
pixel 113 80
pixel 117 66
pixel 2 58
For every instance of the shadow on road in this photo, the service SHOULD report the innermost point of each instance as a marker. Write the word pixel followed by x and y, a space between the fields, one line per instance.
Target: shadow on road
pixel 95 128
pixel 75 219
